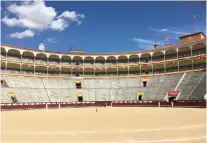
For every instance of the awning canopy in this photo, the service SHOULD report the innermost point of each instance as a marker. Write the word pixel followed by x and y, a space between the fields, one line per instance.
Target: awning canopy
pixel 140 93
pixel 145 79
pixel 77 81
pixel 79 94
pixel 11 94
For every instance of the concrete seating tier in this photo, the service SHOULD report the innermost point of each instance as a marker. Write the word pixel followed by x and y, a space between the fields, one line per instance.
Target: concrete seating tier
pixel 34 89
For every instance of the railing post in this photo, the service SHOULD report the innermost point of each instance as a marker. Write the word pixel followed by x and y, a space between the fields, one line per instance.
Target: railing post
pixel 46 106
pixel 59 105
pixel 172 104
pixel 159 103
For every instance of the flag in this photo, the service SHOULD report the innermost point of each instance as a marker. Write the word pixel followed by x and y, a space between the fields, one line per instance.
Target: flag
pixel 199 57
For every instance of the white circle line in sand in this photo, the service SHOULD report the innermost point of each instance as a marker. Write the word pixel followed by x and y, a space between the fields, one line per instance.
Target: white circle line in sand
pixel 102 132
pixel 132 141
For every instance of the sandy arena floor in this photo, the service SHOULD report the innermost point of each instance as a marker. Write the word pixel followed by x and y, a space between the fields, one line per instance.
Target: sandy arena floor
pixel 114 125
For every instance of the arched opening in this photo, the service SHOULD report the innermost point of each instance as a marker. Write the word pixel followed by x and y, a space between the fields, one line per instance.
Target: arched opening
pixel 111 60
pixel 123 71
pixel 146 69
pixel 65 71
pixel 100 72
pixel 133 59
pixel 185 65
pixel 134 70
pixel 40 57
pixel 184 52
pixel 3 53
pixel 122 60
pixel 100 60
pixel 14 54
pixel 28 56
pixel 146 57
pixel 66 60
pixel 88 61
pixel 77 60
pixel 3 67
pixel 27 69
pixel 158 68
pixel 54 59
pixel 171 66
pixel 77 72
pixel 170 54
pixel 199 49
pixel 111 72
pixel 41 70
pixel 88 72
pixel 53 70
pixel 158 56
pixel 13 68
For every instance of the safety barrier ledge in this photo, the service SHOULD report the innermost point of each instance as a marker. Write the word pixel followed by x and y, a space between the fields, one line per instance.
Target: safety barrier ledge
pixel 180 104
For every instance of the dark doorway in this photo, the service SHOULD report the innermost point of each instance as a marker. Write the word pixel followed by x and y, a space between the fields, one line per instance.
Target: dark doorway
pixel 140 98
pixel 14 100
pixel 78 85
pixel 171 99
pixel 144 83
pixel 80 98
pixel 2 83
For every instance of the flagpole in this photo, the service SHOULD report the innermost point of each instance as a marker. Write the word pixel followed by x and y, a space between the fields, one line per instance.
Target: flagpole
pixel 194 17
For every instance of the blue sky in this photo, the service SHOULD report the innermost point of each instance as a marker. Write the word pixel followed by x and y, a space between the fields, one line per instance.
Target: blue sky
pixel 99 26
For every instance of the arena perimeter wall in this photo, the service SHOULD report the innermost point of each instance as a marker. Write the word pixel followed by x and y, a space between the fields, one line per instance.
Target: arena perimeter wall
pixel 180 104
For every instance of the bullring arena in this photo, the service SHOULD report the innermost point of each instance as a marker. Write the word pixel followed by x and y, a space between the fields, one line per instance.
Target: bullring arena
pixel 154 96
pixel 111 125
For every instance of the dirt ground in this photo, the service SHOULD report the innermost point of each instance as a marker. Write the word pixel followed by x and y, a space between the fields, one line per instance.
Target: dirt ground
pixel 108 125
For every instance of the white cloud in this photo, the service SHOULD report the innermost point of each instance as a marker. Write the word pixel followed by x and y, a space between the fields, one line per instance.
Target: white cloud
pixel 139 40
pixel 169 30
pixel 33 15
pixel 164 30
pixel 20 35
pixel 71 15
pixel 59 24
pixel 36 16
pixel 145 43
pixel 64 20
pixel 51 40
pixel 10 21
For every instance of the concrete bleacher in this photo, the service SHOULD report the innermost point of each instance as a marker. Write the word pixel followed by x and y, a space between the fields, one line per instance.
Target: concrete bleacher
pixel 189 82
pixel 34 89
pixel 4 95
pixel 199 91
pixel 39 95
pixel 158 86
